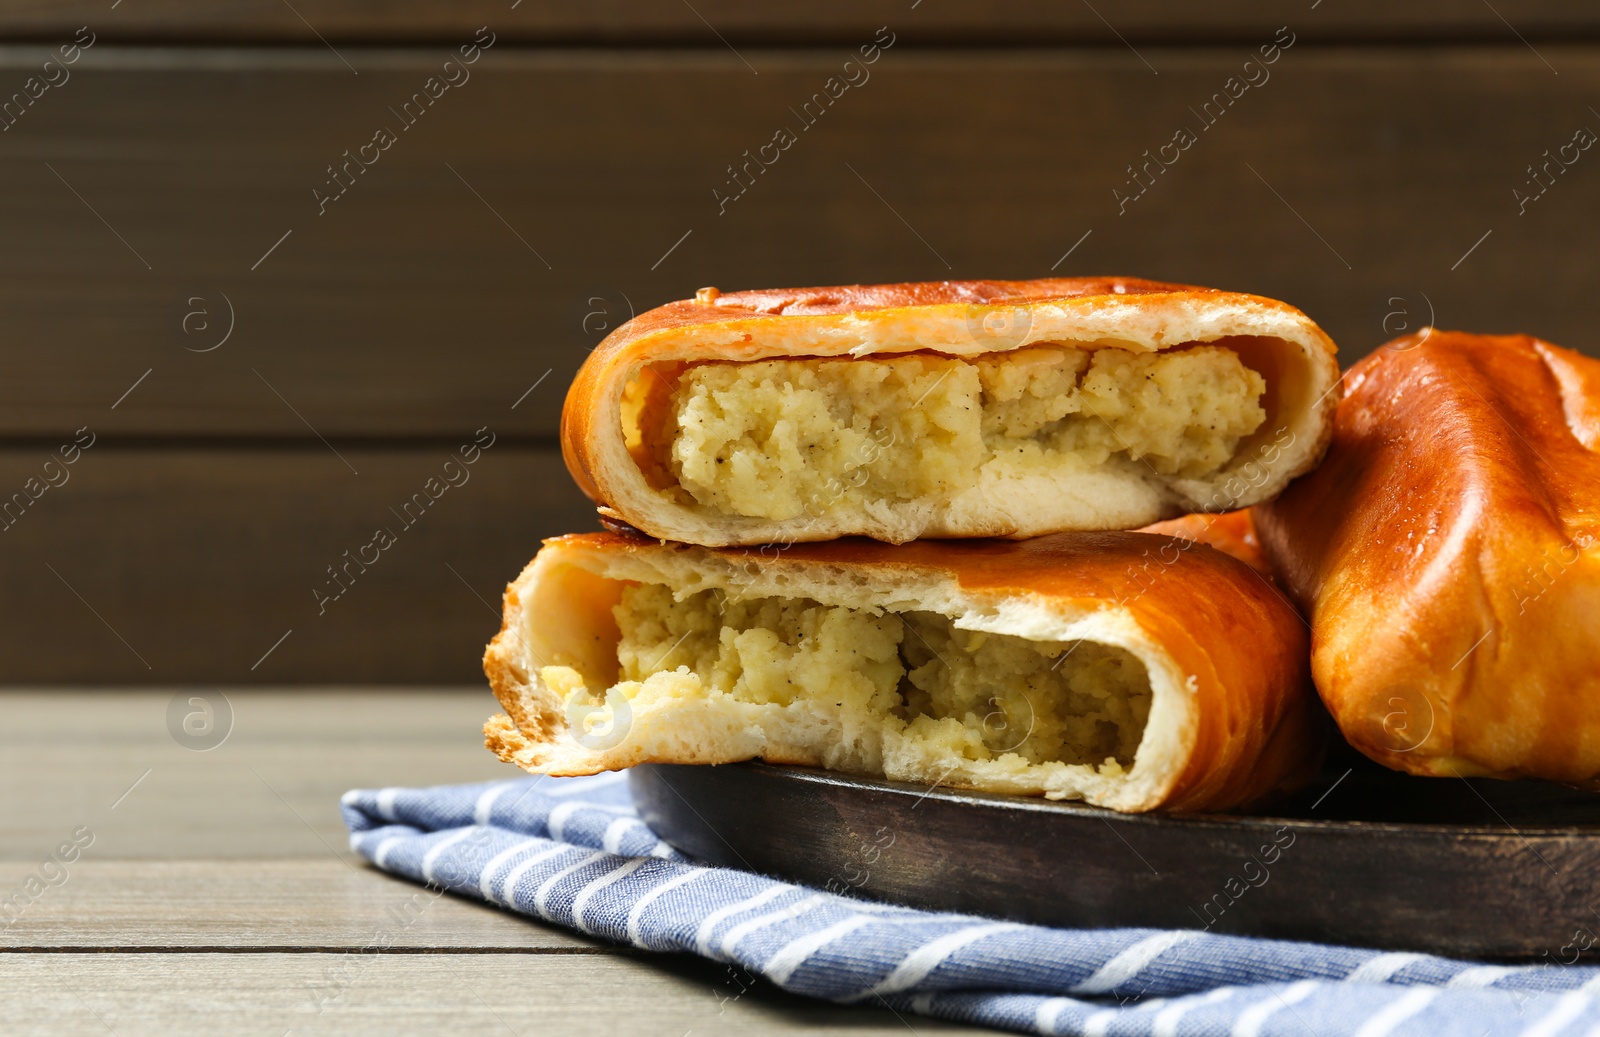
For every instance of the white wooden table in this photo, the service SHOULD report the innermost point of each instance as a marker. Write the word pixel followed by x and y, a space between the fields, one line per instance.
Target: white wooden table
pixel 219 896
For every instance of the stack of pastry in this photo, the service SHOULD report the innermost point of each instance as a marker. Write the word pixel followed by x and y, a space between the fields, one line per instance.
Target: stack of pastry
pixel 897 531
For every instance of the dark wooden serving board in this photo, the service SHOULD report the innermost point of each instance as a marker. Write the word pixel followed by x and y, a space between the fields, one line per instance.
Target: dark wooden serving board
pixel 1506 870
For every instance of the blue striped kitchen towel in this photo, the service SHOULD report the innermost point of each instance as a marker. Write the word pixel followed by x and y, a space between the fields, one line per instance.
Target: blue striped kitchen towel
pixel 574 853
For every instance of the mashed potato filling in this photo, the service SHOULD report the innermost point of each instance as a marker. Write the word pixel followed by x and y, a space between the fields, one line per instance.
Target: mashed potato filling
pixel 880 680
pixel 777 439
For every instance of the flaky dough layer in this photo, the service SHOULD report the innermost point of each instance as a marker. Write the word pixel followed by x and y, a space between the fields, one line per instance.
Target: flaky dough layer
pixel 1232 720
pixel 962 319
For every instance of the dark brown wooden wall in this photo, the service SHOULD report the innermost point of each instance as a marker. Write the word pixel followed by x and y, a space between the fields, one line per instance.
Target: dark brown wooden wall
pixel 1367 177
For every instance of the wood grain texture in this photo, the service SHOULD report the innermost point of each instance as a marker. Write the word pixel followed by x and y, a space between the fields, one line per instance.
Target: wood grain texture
pixel 787 22
pixel 186 565
pixel 209 905
pixel 269 790
pixel 259 905
pixel 440 993
pixel 460 279
pixel 1350 184
pixel 1438 867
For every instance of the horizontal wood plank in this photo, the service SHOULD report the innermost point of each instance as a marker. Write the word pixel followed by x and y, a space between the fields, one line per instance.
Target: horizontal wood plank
pixel 261 905
pixel 269 787
pixel 163 994
pixel 208 904
pixel 189 565
pixel 534 206
pixel 787 22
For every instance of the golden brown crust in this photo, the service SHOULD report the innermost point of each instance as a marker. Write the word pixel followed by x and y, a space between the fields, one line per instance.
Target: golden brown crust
pixel 1292 353
pixel 1257 730
pixel 1447 554
pixel 1232 532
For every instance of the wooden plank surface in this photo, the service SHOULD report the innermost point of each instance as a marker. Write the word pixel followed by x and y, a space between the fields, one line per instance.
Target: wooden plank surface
pixel 459 281
pixel 790 21
pixel 206 903
pixel 436 993
pixel 166 565
pixel 262 905
pixel 270 789
pixel 1352 183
